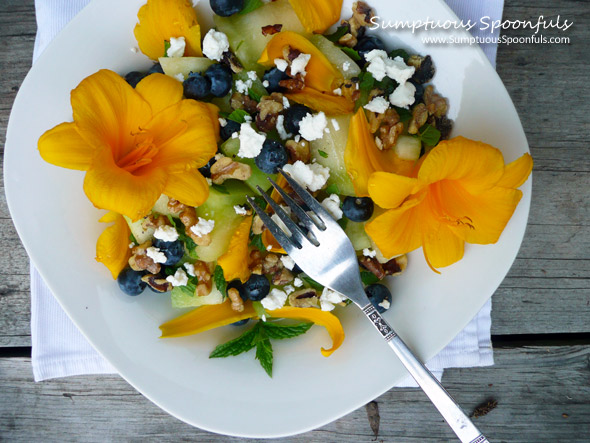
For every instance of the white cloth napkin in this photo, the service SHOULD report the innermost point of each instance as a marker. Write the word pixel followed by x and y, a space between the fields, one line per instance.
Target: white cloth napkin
pixel 60 350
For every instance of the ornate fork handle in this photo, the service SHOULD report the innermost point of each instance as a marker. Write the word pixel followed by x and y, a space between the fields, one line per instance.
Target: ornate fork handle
pixel 448 408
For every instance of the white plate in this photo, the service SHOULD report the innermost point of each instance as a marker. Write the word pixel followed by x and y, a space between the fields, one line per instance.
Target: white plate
pixel 234 396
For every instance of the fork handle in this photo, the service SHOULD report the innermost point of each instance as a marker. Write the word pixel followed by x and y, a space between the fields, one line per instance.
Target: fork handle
pixel 448 408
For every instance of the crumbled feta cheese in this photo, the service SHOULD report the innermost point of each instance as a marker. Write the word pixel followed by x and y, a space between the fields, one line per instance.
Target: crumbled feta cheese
pixel 345 66
pixel 190 269
pixel 288 289
pixel 398 70
pixel 179 77
pixel 326 130
pixel 131 245
pixel 219 156
pixel 329 298
pixel 286 104
pixel 248 118
pixel 269 248
pixel 297 282
pixel 209 181
pixel 176 48
pixel 281 64
pixel 240 210
pixel 222 122
pixel 297 138
pixel 166 233
pixel 368 252
pixel 376 60
pixel 380 65
pixel 337 91
pixel 312 127
pixel 385 304
pixel 235 135
pixel 156 255
pixel 243 86
pixel 378 105
pixel 335 124
pixel 250 141
pixel 298 65
pixel 403 95
pixel 215 44
pixel 178 279
pixel 252 76
pixel 287 262
pixel 275 300
pixel 134 49
pixel 203 227
pixel 281 128
pixel 265 83
pixel 312 177
pixel 332 205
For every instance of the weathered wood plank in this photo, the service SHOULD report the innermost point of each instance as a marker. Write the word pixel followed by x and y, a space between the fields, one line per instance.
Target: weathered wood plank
pixel 534 387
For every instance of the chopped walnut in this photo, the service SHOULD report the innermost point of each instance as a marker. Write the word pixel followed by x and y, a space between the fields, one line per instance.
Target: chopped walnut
pixel 373 265
pixel 350 89
pixel 298 150
pixel 304 298
pixel 175 206
pixel 225 168
pixel 203 272
pixel 293 84
pixel 243 101
pixel 348 40
pixel 229 58
pixel 361 17
pixel 290 53
pixel 419 117
pixel 424 68
pixel 156 283
pixel 255 262
pixel 257 225
pixel 139 261
pixel 155 221
pixel 189 218
pixel 268 110
pixel 271 29
pixel 282 277
pixel 444 125
pixel 237 304
pixel 271 264
pixel 396 265
pixel 435 103
pixel 390 117
pixel 389 134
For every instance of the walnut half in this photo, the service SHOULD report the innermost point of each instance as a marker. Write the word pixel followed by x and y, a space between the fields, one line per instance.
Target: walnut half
pixel 225 168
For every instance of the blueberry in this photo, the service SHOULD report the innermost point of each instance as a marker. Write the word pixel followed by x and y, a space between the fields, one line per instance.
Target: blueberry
pixel 236 284
pixel 358 209
pixel 273 76
pixel 156 69
pixel 174 250
pixel 272 157
pixel 367 44
pixel 293 116
pixel 134 77
pixel 378 293
pixel 419 91
pixel 221 79
pixel 196 86
pixel 225 8
pixel 130 281
pixel 240 322
pixel 206 170
pixel 256 288
pixel 230 127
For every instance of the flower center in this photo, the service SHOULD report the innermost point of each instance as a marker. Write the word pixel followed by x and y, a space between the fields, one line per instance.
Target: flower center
pixel 442 213
pixel 142 153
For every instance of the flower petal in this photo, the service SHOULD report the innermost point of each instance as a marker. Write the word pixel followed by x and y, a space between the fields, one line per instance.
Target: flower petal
pixel 109 187
pixel 441 246
pixel 390 190
pixel 184 134
pixel 322 101
pixel 63 146
pixel 214 115
pixel 107 111
pixel 477 165
pixel 321 74
pixel 517 172
pixel 112 247
pixel 478 218
pixel 161 19
pixel 188 187
pixel 235 261
pixel 317 16
pixel 160 91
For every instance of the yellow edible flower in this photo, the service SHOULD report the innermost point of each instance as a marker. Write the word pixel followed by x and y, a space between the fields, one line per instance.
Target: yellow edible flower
pixel 112 248
pixel 462 192
pixel 235 261
pixel 317 15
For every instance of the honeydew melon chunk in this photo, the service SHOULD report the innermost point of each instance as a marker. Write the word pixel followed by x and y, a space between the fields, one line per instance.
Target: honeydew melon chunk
pixel 139 230
pixel 357 235
pixel 408 147
pixel 230 148
pixel 173 66
pixel 329 152
pixel 336 56
pixel 182 300
pixel 161 206
pixel 244 32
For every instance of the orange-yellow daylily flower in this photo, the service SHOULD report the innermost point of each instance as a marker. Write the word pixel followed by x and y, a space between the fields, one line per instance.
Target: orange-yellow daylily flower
pixel 112 248
pixel 235 261
pixel 159 20
pixel 317 16
pixel 135 144
pixel 321 76
pixel 463 192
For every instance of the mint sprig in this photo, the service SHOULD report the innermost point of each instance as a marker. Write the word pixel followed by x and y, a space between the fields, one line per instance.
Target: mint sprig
pixel 237 346
pixel 429 135
pixel 219 280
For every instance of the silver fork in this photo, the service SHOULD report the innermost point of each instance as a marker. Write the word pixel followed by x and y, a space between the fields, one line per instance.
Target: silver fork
pixel 324 252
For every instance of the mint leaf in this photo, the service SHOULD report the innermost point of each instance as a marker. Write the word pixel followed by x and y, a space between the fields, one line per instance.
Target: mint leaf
pixel 238 116
pixel 343 222
pixel 351 53
pixel 404 114
pixel 368 278
pixel 312 283
pixel 281 332
pixel 238 345
pixel 430 135
pixel 132 238
pixel 264 353
pixel 400 53
pixel 219 280
pixel 251 5
pixel 338 34
pixel 189 243
pixel 333 189
pixel 366 83
pixel 166 47
pixel 254 95
pixel 323 153
pixel 171 220
pixel 257 242
pixel 260 202
pixel 220 188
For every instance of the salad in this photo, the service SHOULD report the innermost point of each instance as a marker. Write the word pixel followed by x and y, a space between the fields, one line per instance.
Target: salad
pixel 172 153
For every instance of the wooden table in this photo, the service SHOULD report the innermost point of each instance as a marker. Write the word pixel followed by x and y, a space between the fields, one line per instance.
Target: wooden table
pixel 541 312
